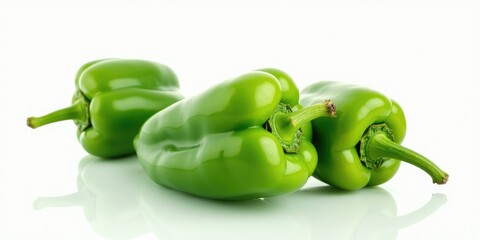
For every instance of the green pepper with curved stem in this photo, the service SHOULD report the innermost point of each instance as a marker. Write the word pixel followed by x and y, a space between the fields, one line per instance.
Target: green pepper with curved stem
pixel 240 139
pixel 361 147
pixel 114 97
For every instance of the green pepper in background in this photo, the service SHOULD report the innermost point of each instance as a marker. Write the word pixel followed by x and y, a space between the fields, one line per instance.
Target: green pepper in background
pixel 240 139
pixel 113 98
pixel 361 146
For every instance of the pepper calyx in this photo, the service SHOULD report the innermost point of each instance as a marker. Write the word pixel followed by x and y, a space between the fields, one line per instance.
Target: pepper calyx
pixel 83 105
pixel 285 124
pixel 291 140
pixel 367 158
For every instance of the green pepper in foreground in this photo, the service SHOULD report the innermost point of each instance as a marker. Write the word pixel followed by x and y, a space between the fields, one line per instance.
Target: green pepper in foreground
pixel 240 139
pixel 113 98
pixel 361 147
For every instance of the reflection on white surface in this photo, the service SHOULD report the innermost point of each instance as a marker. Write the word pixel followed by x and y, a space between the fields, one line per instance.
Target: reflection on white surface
pixel 370 213
pixel 119 201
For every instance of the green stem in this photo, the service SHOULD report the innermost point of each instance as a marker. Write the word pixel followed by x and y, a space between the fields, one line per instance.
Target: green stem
pixel 379 145
pixel 77 112
pixel 285 124
pixel 306 115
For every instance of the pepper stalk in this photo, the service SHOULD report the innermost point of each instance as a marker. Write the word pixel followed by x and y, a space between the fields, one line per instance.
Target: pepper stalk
pixel 377 145
pixel 78 112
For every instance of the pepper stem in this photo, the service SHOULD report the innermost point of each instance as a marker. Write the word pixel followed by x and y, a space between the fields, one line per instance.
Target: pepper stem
pixel 306 115
pixel 378 145
pixel 77 112
pixel 286 124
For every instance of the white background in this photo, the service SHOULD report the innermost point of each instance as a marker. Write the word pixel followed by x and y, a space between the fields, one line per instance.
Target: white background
pixel 424 54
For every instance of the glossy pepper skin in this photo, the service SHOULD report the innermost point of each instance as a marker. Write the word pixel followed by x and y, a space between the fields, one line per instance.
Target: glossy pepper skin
pixel 215 145
pixel 113 98
pixel 361 146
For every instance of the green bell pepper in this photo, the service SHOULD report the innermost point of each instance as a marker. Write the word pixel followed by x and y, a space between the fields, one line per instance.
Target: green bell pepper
pixel 361 147
pixel 240 139
pixel 113 98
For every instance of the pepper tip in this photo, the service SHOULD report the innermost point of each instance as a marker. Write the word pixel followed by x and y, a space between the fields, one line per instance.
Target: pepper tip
pixel 30 122
pixel 443 180
pixel 331 107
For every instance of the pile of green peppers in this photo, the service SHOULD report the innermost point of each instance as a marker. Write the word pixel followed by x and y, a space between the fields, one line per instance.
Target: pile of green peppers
pixel 252 136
